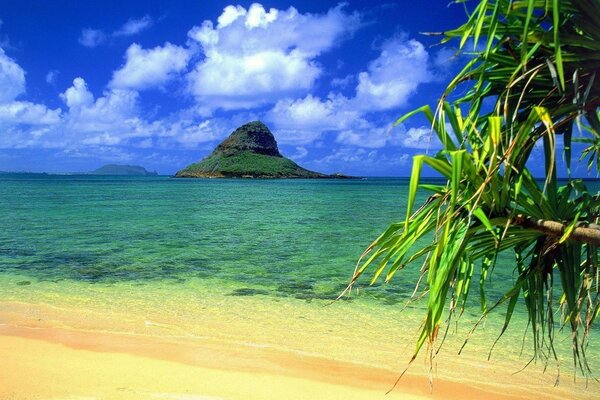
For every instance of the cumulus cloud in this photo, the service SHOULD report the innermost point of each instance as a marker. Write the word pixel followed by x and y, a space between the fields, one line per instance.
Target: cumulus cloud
pixel 394 76
pixel 246 59
pixel 15 113
pixel 422 137
pixel 303 120
pixel 387 84
pixel 255 57
pixel 109 118
pixel 356 161
pixel 12 78
pixel 371 136
pixel 24 112
pixel 311 112
pixel 113 119
pixel 77 95
pixel 418 138
pixel 149 68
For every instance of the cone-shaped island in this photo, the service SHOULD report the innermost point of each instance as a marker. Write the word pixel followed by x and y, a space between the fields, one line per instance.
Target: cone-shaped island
pixel 249 152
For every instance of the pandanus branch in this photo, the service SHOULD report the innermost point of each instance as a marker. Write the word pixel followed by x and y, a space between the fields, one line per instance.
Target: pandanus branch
pixel 582 232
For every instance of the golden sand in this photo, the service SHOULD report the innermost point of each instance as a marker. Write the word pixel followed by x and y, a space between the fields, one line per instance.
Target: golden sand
pixel 98 345
pixel 58 364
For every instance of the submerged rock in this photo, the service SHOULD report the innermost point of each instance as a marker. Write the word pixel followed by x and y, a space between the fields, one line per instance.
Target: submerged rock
pixel 248 292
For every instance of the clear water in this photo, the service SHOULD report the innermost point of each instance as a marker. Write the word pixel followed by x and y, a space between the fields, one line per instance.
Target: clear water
pixel 285 237
pixel 269 249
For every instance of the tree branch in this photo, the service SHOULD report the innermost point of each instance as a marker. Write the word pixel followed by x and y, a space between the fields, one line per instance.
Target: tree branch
pixel 586 233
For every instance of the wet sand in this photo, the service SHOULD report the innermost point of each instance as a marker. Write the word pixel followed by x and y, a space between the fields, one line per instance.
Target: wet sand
pixel 59 364
pixel 55 351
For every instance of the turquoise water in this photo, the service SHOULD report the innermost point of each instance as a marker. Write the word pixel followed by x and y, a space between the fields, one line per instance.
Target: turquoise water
pixel 295 240
pixel 283 237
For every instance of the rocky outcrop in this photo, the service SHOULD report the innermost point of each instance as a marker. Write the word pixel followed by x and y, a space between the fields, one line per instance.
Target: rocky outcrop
pixel 249 152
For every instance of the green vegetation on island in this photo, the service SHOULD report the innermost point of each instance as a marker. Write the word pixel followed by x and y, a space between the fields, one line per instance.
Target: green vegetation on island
pixel 249 152
pixel 531 84
pixel 123 170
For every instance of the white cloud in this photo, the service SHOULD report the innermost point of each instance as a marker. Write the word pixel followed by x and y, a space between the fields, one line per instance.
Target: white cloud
pixel 445 57
pixel 345 155
pixel 91 37
pixel 51 77
pixel 115 105
pixel 94 37
pixel 418 138
pixel 387 84
pixel 313 113
pixel 14 114
pixel 24 112
pixel 300 153
pixel 230 14
pixel 254 57
pixel 394 76
pixel 107 120
pixel 150 68
pixel 304 120
pixel 351 160
pixel 12 78
pixel 422 137
pixel 108 153
pixel 77 95
pixel 343 82
pixel 114 119
pixel 134 26
pixel 370 137
pixel 258 17
pixel 192 133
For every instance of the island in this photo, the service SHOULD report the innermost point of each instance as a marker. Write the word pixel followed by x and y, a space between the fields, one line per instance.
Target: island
pixel 123 170
pixel 249 152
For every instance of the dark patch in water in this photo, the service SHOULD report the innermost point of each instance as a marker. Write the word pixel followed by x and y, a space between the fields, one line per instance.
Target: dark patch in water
pixel 10 252
pixel 23 283
pixel 296 289
pixel 248 292
pixel 304 296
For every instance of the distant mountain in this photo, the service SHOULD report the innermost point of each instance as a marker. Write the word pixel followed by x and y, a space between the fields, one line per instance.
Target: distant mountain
pixel 130 170
pixel 249 152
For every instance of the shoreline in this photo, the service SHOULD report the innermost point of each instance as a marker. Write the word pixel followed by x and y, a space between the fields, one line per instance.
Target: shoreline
pixel 76 350
pixel 79 342
pixel 75 364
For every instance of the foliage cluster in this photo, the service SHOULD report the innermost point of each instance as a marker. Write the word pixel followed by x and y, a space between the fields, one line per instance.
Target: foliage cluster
pixel 530 84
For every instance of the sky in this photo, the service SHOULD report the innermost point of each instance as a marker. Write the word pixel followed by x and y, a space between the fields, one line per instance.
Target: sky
pixel 160 84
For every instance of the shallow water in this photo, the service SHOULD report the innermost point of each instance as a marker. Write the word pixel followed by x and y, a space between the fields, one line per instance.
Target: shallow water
pixel 250 261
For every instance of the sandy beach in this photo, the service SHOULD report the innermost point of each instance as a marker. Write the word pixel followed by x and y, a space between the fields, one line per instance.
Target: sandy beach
pixel 59 364
pixel 50 353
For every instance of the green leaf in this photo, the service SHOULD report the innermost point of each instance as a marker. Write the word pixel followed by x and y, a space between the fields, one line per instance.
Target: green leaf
pixel 412 187
pixel 557 47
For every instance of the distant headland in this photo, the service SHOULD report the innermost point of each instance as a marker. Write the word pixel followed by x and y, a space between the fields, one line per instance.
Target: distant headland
pixel 249 152
pixel 123 170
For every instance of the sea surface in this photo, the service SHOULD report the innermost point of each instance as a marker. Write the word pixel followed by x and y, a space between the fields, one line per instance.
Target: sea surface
pixel 253 261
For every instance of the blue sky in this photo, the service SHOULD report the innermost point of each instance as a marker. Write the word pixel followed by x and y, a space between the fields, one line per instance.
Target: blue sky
pixel 159 84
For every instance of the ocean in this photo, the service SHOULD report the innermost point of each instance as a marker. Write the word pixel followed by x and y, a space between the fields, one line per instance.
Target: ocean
pixel 252 262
